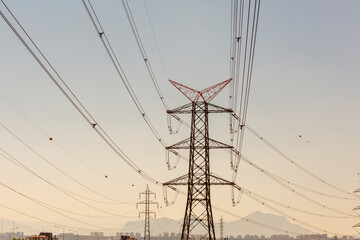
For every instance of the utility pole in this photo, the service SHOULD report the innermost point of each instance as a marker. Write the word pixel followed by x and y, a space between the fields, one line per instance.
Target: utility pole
pixel 198 217
pixel 147 202
pixel 221 228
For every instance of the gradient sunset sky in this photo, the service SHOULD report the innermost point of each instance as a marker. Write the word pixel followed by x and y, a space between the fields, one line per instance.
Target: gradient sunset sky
pixel 305 82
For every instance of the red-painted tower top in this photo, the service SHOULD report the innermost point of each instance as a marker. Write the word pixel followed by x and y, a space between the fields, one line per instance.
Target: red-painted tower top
pixel 206 94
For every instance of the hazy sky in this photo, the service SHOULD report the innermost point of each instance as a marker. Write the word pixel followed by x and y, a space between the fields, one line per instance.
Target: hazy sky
pixel 305 81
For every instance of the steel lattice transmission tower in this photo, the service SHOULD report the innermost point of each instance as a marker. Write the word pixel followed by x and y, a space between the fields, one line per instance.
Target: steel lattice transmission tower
pixel 198 220
pixel 356 210
pixel 221 228
pixel 147 202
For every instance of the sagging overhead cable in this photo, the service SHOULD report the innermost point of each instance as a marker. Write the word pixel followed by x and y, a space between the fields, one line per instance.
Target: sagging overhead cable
pixel 67 92
pixel 248 192
pixel 287 158
pixel 300 136
pixel 241 66
pixel 113 201
pixel 66 192
pixel 147 61
pixel 156 40
pixel 285 184
pixel 53 140
pixel 49 208
pixel 293 218
pixel 108 47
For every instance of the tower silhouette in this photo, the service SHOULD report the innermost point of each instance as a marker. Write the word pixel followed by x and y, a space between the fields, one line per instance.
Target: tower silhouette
pixel 356 210
pixel 147 202
pixel 198 220
pixel 221 228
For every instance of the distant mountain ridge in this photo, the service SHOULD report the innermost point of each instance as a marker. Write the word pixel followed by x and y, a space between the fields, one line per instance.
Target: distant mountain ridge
pixel 238 227
pixel 161 225
pixel 241 227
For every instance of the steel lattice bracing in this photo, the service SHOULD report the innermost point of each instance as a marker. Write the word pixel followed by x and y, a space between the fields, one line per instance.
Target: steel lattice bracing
pixel 198 220
pixel 147 202
pixel 206 94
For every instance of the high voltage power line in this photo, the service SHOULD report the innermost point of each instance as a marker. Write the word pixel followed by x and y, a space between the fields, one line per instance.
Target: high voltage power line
pixel 40 219
pixel 114 201
pixel 235 39
pixel 52 223
pixel 147 61
pixel 251 193
pixel 284 181
pixel 304 196
pixel 287 158
pixel 68 193
pixel 293 162
pixel 293 218
pixel 254 222
pixel 299 135
pixel 245 72
pixel 236 36
pixel 276 210
pixel 53 140
pixel 64 88
pixel 50 208
pixel 252 47
pixel 107 45
pixel 156 40
pixel 82 110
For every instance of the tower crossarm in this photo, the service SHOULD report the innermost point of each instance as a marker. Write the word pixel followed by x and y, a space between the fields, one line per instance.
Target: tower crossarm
pixel 187 108
pixel 182 180
pixel 191 94
pixel 214 180
pixel 213 144
pixel 145 193
pixel 209 93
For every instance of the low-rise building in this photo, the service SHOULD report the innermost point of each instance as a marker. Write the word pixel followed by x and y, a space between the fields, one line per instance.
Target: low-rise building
pixel 42 236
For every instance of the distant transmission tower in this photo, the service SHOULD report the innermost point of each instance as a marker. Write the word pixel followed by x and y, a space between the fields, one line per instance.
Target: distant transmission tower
pixel 221 228
pixel 357 226
pixel 198 220
pixel 147 202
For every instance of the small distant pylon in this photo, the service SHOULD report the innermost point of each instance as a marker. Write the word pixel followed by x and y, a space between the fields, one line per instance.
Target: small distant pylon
pixel 356 209
pixel 147 202
pixel 221 228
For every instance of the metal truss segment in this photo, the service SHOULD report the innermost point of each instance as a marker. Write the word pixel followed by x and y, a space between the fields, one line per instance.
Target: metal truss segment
pixel 206 94
pixel 198 220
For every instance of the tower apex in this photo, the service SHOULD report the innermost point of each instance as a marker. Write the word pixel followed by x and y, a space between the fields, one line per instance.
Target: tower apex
pixel 206 94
